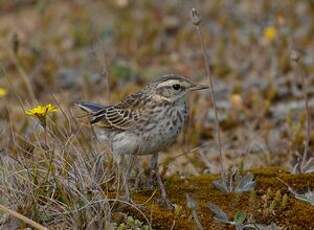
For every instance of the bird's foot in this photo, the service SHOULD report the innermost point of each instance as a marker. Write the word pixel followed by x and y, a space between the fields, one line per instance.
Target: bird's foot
pixel 164 198
pixel 165 202
pixel 149 184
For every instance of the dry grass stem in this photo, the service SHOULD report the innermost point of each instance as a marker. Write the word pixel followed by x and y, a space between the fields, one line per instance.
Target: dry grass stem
pixel 22 218
pixel 196 21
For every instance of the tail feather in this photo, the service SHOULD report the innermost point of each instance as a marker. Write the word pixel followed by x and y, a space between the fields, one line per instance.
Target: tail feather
pixel 90 107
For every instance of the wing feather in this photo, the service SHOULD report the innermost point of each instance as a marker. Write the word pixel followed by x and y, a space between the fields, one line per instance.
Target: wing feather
pixel 115 118
pixel 122 116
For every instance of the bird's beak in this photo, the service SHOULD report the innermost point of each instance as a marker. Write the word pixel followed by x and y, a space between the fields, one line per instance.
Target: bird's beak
pixel 199 87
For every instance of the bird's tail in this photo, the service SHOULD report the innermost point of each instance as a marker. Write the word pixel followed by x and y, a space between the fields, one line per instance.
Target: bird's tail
pixel 90 107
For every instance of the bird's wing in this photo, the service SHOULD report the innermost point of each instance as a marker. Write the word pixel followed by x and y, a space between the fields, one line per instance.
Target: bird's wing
pixel 122 116
pixel 113 117
pixel 133 102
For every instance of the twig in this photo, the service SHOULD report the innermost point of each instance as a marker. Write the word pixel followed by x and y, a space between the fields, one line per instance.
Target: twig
pixel 22 218
pixel 296 56
pixel 196 21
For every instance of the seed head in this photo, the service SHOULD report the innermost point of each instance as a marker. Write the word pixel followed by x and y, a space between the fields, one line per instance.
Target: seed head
pixel 295 55
pixel 196 19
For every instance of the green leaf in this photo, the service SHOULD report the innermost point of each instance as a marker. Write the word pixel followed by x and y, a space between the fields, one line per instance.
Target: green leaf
pixel 239 217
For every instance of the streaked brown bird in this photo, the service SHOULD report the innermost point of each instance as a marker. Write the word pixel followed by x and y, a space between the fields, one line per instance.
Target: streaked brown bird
pixel 145 122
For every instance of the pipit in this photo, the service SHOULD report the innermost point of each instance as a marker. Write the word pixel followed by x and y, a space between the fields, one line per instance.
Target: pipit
pixel 145 122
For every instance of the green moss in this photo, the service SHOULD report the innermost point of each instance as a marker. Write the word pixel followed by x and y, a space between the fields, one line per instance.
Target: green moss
pixel 294 213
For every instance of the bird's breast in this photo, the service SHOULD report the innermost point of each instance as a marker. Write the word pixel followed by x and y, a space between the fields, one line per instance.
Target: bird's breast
pixel 163 128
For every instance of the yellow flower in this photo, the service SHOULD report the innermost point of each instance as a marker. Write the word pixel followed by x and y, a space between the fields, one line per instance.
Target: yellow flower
pixel 41 111
pixel 236 101
pixel 270 33
pixel 3 92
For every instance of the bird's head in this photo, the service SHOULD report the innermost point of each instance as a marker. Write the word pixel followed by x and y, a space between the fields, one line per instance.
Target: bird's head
pixel 173 87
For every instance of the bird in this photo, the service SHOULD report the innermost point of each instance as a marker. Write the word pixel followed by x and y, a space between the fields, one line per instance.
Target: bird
pixel 146 122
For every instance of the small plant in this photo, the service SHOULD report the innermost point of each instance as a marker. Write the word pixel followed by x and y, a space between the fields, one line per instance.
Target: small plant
pixel 273 201
pixel 222 217
pixel 131 224
pixel 307 197
pixel 306 167
pixel 239 220
pixel 235 182
pixel 191 204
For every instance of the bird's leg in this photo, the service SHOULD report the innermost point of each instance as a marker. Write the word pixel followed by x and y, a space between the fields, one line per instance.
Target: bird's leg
pixel 164 198
pixel 153 167
pixel 132 160
pixel 126 195
pixel 127 175
pixel 138 172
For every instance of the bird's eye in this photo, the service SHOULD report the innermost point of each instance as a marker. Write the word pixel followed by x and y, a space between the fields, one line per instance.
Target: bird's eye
pixel 176 86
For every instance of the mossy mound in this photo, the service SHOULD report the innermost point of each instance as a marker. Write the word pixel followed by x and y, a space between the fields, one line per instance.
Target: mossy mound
pixel 292 214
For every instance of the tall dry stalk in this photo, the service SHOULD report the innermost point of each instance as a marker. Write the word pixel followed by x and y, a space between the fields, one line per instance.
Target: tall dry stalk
pixel 296 58
pixel 196 21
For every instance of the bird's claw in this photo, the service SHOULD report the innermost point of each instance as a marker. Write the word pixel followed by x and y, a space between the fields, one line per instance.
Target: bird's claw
pixel 165 202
